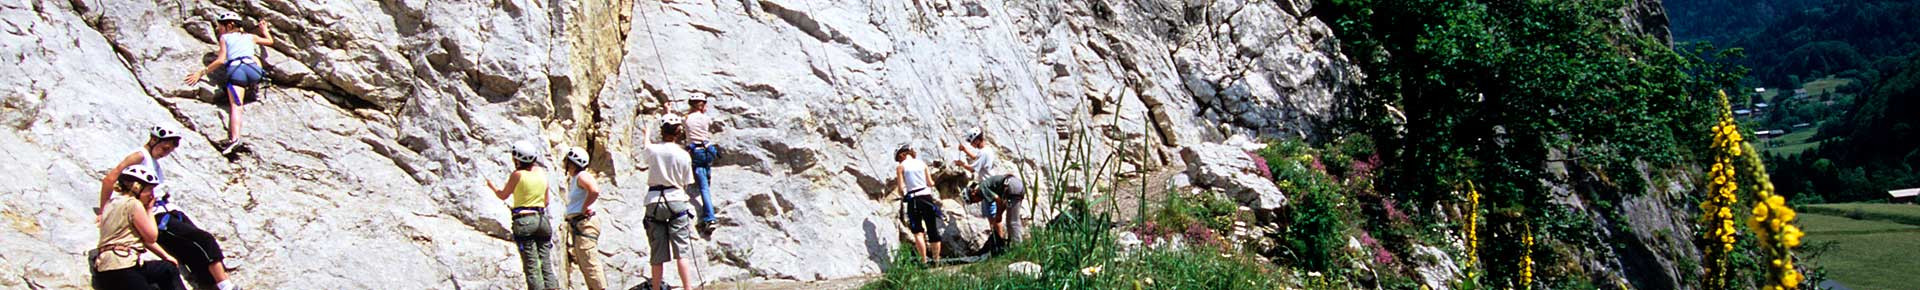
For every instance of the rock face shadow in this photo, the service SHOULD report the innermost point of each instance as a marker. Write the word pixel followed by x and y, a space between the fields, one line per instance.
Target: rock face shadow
pixel 876 250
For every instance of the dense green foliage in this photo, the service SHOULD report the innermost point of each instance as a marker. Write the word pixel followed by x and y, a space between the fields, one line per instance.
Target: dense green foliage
pixel 1317 229
pixel 1493 92
pixel 1790 41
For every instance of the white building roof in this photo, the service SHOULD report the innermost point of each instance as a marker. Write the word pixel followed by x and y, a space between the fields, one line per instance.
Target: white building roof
pixel 1904 192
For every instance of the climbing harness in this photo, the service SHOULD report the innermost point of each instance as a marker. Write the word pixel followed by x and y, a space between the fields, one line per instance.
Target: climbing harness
pixel 668 82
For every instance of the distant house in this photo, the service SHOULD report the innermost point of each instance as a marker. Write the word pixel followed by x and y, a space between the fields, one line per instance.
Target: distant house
pixel 1759 90
pixel 1743 112
pixel 1903 195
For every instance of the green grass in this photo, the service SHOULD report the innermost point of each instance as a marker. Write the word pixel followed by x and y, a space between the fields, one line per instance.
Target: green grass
pixel 1791 143
pixel 1064 249
pixel 1822 86
pixel 1820 224
pixel 1895 213
pixel 1863 254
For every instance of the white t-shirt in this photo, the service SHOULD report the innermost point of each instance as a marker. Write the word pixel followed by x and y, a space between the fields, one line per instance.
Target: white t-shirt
pixel 699 127
pixel 667 165
pixel 983 163
pixel 913 176
pixel 240 44
pixel 160 182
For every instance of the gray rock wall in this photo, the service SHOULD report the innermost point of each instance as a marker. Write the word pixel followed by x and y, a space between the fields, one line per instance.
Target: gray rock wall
pixel 383 119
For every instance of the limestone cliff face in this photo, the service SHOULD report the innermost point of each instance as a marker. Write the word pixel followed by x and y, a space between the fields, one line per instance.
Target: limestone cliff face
pixel 383 119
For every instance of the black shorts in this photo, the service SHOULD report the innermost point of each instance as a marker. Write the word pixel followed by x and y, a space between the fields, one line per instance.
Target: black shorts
pixel 141 277
pixel 195 248
pixel 923 215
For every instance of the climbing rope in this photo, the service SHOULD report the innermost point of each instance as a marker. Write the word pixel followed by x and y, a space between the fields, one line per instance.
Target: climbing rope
pixel 1040 88
pixel 667 81
pixel 658 59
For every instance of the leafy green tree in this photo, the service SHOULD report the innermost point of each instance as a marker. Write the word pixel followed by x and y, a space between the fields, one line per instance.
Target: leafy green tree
pixel 1494 91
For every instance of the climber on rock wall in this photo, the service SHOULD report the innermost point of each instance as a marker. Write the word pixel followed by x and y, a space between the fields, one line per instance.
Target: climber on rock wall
pixel 240 52
pixel 196 248
pixel 699 134
pixel 531 233
pixel 126 231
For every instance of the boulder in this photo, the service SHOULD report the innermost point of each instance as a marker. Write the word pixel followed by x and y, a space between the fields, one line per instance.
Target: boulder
pixel 1228 169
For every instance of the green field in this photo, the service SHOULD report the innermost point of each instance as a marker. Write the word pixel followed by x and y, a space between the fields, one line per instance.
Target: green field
pixel 1822 86
pixel 1875 252
pixel 1895 213
pixel 1791 143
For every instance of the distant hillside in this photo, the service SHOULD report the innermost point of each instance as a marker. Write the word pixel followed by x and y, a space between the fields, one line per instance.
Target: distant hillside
pixel 1789 40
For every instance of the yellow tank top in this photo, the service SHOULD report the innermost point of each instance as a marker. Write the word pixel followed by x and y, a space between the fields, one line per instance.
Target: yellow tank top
pixel 119 244
pixel 532 189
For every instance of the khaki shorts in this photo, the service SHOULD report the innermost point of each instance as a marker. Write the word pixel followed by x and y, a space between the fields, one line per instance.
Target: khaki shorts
pixel 669 228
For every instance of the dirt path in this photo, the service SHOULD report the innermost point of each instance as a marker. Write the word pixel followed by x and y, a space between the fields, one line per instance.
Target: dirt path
pixel 1128 197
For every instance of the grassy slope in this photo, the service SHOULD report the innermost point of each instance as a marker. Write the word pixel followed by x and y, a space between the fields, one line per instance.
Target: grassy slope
pixel 1895 213
pixel 1871 253
pixel 1792 143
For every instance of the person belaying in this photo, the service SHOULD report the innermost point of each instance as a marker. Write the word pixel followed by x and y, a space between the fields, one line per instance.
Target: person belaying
pixel 699 134
pixel 197 249
pixel 532 234
pixel 240 52
pixel 980 162
pixel 923 208
pixel 669 214
pixel 126 231
pixel 583 235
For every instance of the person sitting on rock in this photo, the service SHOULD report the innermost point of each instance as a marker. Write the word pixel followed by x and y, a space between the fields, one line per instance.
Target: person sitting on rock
pixel 197 248
pixel 669 214
pixel 699 132
pixel 240 53
pixel 126 230
pixel 581 194
pixel 923 209
pixel 531 233
pixel 980 162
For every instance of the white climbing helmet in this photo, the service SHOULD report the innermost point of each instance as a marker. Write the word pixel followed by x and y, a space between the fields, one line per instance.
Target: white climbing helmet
pixel 697 98
pixel 904 147
pixel 224 16
pixel 140 173
pixel 161 133
pixel 974 134
pixel 526 153
pixel 578 156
